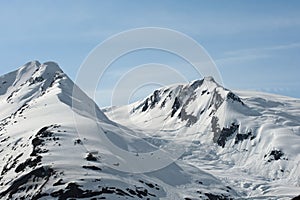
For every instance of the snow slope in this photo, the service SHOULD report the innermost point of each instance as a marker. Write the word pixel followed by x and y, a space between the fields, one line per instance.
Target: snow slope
pixel 248 140
pixel 47 154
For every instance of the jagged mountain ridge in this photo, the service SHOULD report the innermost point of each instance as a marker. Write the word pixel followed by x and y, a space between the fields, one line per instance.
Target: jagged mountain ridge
pixel 198 102
pixel 184 96
pixel 249 134
pixel 44 156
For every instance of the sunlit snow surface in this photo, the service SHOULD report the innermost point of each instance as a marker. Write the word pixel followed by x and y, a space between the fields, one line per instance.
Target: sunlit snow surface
pixel 248 159
pixel 238 145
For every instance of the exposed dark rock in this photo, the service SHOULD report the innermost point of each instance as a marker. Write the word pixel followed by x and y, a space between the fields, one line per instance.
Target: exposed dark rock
pixel 217 197
pixel 7 120
pixel 221 136
pixel 18 185
pixel 215 128
pixel 92 168
pixel 58 75
pixel 132 192
pixel 202 111
pixel 150 185
pixel 142 192
pixel 252 137
pixel 176 106
pixel 10 165
pixel 59 182
pixel 196 84
pixel 240 137
pixel 227 132
pixel 43 133
pixel 37 150
pixel 163 103
pixel 35 80
pixel 154 98
pixel 233 97
pixel 296 198
pixel 9 98
pixel 36 142
pixel 168 97
pixel 203 92
pixel 170 94
pixel 35 159
pixel 39 140
pixel 90 157
pixel 21 109
pixel 150 102
pixel 191 119
pixel 78 141
pixel 5 139
pixel 216 101
pixel 29 163
pixel 73 190
pixel 275 155
pixel 145 107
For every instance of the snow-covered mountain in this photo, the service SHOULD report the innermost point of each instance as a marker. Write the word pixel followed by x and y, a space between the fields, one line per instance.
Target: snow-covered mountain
pixel 54 145
pixel 248 140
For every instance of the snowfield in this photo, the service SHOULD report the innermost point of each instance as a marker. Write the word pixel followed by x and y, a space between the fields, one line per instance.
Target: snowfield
pixel 185 141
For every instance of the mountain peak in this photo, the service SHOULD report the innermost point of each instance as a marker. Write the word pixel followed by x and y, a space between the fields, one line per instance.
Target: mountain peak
pixel 207 82
pixel 35 65
pixel 187 102
pixel 29 82
pixel 51 64
pixel 34 80
pixel 55 143
pixel 209 78
pixel 32 63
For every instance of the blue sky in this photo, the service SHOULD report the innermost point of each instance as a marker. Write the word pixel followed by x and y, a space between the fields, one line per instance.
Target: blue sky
pixel 255 44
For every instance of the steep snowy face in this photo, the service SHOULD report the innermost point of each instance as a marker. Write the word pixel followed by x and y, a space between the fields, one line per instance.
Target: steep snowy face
pixel 34 80
pixel 202 104
pixel 44 157
pixel 252 137
pixel 235 145
pixel 31 81
pixel 189 103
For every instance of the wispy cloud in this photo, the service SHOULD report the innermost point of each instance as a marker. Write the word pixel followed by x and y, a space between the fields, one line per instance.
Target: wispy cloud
pixel 238 59
pixel 263 49
pixel 245 55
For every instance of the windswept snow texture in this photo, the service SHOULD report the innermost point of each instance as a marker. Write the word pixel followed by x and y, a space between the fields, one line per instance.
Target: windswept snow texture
pixel 250 141
pixel 43 156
